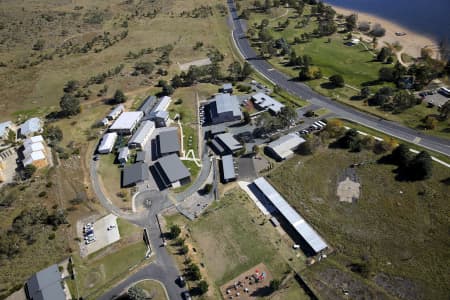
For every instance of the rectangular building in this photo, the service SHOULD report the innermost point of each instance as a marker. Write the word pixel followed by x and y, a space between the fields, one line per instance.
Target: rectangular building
pixel 224 108
pixel 34 152
pixel 122 157
pixel 142 135
pixel 148 104
pixel 228 143
pixel 126 122
pixel 115 112
pixel 265 102
pixel 228 173
pixel 168 142
pixel 45 285
pixel 162 119
pixel 227 88
pixel 284 147
pixel 30 127
pixel 107 143
pixel 135 173
pixel 306 232
pixel 172 172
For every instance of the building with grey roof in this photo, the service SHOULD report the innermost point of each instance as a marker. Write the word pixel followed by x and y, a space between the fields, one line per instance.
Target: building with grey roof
pixel 168 142
pixel 45 285
pixel 265 102
pixel 224 108
pixel 228 144
pixel 283 148
pixel 122 157
pixel 115 112
pixel 135 173
pixel 228 172
pixel 30 127
pixel 172 172
pixel 313 240
pixel 142 135
pixel 127 122
pixel 162 119
pixel 148 104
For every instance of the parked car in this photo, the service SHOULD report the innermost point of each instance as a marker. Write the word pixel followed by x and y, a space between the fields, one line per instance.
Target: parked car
pixel 186 295
pixel 180 281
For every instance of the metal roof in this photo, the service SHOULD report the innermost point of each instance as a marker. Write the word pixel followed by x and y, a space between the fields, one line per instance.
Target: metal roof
pixel 108 141
pixel 4 126
pixel 228 167
pixel 162 105
pixel 142 134
pixel 30 126
pixel 162 114
pixel 127 120
pixel 227 86
pixel 116 111
pixel 173 168
pixel 46 285
pixel 147 105
pixel 135 173
pixel 227 103
pixel 267 102
pixel 313 239
pixel 33 139
pixel 33 156
pixel 169 141
pixel 140 156
pixel 227 140
pixel 123 153
pixel 284 145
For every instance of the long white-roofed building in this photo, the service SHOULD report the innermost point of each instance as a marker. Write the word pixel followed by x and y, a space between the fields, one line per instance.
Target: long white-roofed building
pixel 107 143
pixel 115 112
pixel 127 122
pixel 142 135
pixel 284 147
pixel 313 240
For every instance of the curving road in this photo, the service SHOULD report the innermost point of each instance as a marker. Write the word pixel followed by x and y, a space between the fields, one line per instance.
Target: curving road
pixel 303 91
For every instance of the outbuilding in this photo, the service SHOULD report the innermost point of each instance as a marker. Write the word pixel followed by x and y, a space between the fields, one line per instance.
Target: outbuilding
pixel 126 122
pixel 228 172
pixel 115 112
pixel 122 157
pixel 283 148
pixel 227 88
pixel 142 135
pixel 107 143
pixel 172 172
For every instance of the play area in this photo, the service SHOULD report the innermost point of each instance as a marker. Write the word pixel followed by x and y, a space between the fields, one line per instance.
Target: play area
pixel 249 285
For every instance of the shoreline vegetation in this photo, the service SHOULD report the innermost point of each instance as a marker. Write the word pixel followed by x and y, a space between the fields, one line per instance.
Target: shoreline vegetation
pixel 412 42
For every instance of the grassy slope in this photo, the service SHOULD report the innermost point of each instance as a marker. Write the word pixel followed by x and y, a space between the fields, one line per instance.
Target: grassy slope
pixel 395 222
pixel 153 288
pixel 231 239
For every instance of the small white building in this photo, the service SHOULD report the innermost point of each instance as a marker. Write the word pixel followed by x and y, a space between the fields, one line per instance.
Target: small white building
pixel 127 122
pixel 124 152
pixel 105 122
pixel 265 102
pixel 30 127
pixel 284 147
pixel 115 112
pixel 107 143
pixel 142 135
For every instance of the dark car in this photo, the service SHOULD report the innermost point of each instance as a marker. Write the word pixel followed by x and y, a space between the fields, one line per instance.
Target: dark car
pixel 186 295
pixel 181 282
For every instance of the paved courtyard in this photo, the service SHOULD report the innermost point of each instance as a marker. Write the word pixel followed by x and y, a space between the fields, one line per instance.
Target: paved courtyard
pixel 103 236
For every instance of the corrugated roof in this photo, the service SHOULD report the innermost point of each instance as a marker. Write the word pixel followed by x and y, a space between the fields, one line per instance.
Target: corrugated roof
pixel 31 126
pixel 169 141
pixel 228 167
pixel 173 168
pixel 267 102
pixel 140 156
pixel 313 239
pixel 135 173
pixel 144 131
pixel 108 141
pixel 162 104
pixel 227 103
pixel 116 111
pixel 147 105
pixel 229 141
pixel 33 156
pixel 162 114
pixel 284 145
pixel 123 153
pixel 127 120
pixel 46 285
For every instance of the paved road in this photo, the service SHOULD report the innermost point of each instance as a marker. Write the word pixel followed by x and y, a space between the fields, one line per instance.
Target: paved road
pixel 303 91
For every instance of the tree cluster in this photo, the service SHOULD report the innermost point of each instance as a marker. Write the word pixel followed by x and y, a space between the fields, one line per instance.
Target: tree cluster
pixel 410 166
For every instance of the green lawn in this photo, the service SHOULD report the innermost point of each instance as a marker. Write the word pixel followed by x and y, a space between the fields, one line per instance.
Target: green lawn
pixel 153 289
pixel 233 236
pixel 394 224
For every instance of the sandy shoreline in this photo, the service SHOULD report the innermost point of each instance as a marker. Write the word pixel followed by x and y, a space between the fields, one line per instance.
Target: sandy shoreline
pixel 412 42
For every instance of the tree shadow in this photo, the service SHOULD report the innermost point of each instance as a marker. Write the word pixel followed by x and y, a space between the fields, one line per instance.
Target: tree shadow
pixel 446 181
pixel 356 98
pixel 328 85
pixel 264 291
pixel 372 82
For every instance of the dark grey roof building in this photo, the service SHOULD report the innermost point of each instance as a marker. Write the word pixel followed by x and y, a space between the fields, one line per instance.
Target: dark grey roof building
pixel 228 173
pixel 148 104
pixel 45 285
pixel 172 172
pixel 168 141
pixel 135 173
pixel 228 143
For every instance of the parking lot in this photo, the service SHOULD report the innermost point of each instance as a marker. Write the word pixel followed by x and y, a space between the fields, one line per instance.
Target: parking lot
pixel 104 231
pixel 436 99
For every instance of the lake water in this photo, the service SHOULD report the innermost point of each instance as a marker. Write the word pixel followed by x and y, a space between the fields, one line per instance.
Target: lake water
pixel 429 17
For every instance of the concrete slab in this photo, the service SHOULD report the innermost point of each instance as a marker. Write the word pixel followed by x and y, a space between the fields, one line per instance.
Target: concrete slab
pixel 104 237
